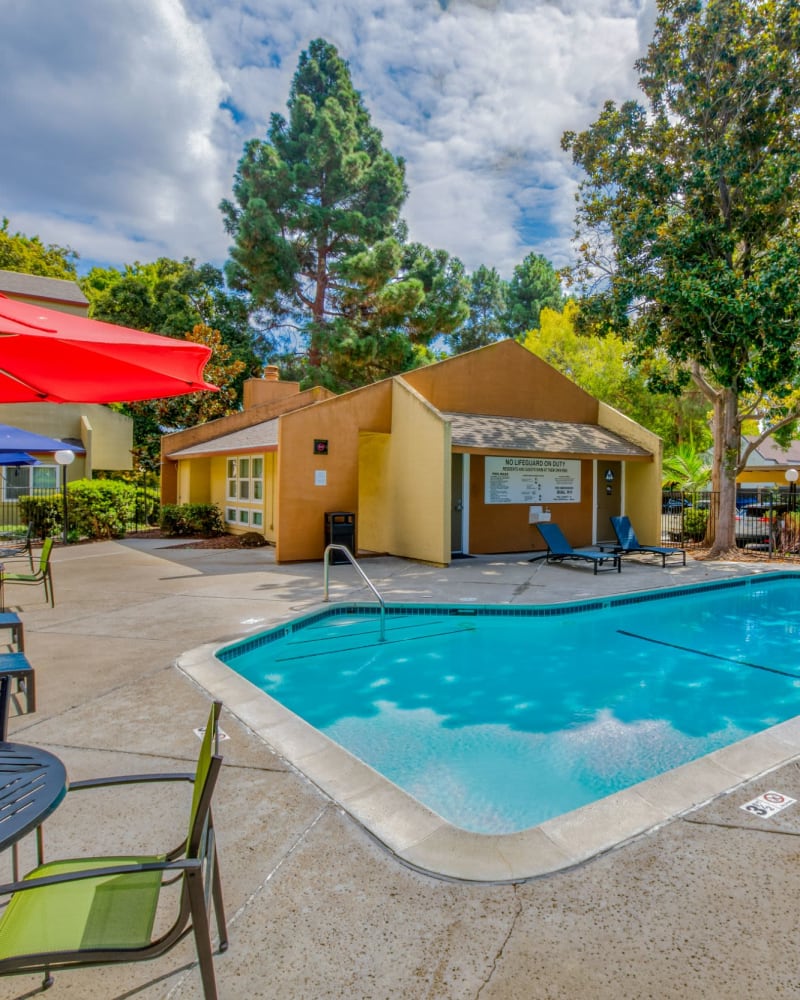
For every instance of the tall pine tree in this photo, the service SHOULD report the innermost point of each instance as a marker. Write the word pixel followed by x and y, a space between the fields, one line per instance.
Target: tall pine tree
pixel 315 218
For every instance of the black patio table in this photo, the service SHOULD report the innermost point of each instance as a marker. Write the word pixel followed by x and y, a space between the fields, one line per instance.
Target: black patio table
pixel 32 783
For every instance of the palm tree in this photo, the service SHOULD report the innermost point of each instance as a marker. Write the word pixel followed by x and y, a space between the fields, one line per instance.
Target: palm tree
pixel 685 469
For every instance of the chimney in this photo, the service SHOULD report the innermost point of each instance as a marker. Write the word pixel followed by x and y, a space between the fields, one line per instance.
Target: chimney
pixel 267 389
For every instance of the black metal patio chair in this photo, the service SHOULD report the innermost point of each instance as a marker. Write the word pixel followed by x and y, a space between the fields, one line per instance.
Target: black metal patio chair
pixel 94 911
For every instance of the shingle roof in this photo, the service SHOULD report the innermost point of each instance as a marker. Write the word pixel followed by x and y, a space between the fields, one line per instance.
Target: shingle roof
pixel 263 435
pixel 468 431
pixel 35 286
pixel 546 436
pixel 769 452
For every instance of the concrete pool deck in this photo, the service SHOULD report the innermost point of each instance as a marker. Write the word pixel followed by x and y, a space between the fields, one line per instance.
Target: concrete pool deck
pixel 703 905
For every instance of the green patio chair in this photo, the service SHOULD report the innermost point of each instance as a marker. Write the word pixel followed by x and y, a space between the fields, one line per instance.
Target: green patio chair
pixel 101 910
pixel 11 548
pixel 43 575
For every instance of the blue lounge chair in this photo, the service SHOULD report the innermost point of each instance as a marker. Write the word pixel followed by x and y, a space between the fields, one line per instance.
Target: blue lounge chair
pixel 628 542
pixel 559 549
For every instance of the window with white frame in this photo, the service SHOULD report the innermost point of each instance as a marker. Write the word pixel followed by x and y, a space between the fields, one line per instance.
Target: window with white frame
pixel 29 480
pixel 245 490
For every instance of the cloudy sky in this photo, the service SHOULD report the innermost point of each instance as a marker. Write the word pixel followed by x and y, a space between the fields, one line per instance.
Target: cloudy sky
pixel 123 121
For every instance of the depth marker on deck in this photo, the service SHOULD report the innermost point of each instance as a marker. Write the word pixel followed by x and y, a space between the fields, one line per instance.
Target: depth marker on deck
pixel 768 804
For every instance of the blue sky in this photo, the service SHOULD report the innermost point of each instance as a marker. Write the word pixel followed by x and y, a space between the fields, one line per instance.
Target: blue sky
pixel 123 122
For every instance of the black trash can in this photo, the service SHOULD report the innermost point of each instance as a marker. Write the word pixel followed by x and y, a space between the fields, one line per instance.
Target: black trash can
pixel 340 529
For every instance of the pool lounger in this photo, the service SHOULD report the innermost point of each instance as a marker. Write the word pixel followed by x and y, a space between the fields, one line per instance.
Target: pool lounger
pixel 628 542
pixel 558 549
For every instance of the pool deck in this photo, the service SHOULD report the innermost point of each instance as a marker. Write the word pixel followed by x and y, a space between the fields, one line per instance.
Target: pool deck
pixel 701 905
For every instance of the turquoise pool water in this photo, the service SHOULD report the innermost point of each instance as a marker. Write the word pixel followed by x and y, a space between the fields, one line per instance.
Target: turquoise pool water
pixel 499 718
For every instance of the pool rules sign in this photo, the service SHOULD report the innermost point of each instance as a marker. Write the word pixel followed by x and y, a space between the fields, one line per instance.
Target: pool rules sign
pixel 532 480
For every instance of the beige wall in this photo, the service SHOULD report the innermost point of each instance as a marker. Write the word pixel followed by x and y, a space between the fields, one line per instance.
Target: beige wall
pixel 106 435
pixel 642 497
pixel 75 308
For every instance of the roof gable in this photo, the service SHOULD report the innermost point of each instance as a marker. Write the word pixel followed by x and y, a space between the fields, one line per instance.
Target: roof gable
pixel 503 379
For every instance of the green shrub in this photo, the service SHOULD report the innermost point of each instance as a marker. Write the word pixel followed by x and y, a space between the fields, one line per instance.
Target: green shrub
pixel 203 519
pixel 252 540
pixel 100 508
pixel 44 514
pixel 694 524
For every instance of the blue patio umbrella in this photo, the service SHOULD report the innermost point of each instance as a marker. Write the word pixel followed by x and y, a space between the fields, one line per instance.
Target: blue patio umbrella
pixel 17 458
pixel 15 439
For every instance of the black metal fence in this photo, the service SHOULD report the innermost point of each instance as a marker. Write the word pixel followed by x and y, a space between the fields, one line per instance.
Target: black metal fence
pixel 767 521
pixel 13 486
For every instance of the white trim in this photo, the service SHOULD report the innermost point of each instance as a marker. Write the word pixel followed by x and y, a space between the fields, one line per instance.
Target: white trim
pixel 465 503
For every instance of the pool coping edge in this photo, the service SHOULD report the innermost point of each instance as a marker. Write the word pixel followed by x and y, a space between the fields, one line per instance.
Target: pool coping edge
pixel 423 839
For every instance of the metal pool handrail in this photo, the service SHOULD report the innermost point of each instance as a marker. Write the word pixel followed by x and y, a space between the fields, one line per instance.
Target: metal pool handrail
pixel 333 547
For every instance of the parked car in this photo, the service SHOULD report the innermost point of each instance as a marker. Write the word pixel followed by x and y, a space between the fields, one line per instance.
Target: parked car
pixel 671 505
pixel 753 523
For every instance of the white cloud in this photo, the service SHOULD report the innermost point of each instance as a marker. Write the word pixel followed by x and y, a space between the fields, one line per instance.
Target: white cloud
pixel 110 119
pixel 115 142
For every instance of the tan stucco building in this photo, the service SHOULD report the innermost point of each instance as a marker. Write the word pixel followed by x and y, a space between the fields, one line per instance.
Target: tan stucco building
pixel 458 457
pixel 105 436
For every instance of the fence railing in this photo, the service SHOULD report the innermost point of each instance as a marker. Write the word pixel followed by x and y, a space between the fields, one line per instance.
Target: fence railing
pixel 766 520
pixel 144 516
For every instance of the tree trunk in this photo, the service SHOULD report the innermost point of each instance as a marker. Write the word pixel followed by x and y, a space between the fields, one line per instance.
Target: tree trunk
pixel 315 351
pixel 726 458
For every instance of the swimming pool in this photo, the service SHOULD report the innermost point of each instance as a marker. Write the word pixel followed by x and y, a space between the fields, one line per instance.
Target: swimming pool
pixel 592 673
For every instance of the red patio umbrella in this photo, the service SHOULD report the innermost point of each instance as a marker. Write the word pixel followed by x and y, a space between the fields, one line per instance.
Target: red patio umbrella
pixel 49 356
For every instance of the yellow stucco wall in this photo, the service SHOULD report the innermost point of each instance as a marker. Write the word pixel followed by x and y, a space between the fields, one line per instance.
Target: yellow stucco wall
pixel 404 482
pixel 375 500
pixel 418 486
pixel 503 379
pixel 205 480
pixel 310 484
pixel 642 494
pixel 765 474
pixel 194 481
pixel 106 435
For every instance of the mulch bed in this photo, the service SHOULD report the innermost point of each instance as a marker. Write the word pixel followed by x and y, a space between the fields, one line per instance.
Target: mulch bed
pixel 222 542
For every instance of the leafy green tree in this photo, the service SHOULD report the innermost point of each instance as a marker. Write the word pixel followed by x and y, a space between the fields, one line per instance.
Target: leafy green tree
pixel 315 220
pixel 601 366
pixel 153 416
pixel 29 255
pixel 170 297
pixel 487 301
pixel 445 287
pixel 689 215
pixel 179 299
pixel 533 286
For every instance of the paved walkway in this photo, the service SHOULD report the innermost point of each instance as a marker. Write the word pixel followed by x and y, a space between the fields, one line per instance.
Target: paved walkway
pixel 703 907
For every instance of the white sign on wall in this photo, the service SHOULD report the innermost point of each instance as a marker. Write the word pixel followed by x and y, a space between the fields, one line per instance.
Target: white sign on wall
pixel 532 480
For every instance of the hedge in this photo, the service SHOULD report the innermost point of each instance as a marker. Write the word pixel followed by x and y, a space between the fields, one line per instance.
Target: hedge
pixel 203 519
